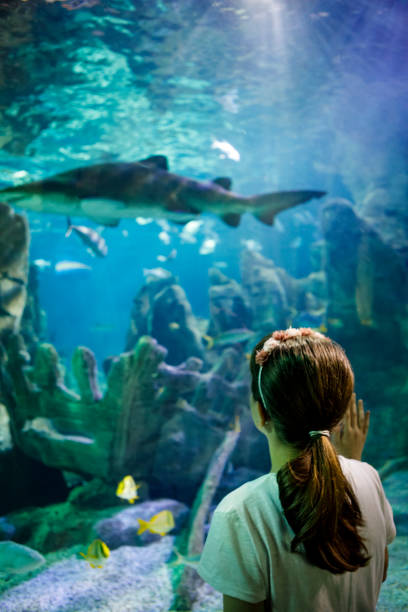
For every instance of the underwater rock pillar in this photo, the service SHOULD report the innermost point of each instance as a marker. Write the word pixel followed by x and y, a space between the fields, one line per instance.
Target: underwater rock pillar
pixel 132 390
pixel 189 579
pixel 268 289
pixel 161 310
pixel 368 315
pixel 228 306
pixel 14 244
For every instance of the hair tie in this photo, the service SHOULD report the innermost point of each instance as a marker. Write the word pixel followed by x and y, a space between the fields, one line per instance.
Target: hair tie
pixel 318 433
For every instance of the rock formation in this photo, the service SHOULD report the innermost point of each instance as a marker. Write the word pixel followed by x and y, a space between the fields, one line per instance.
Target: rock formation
pixel 152 421
pixel 26 479
pixel 367 313
pixel 189 580
pixel 228 304
pixel 14 243
pixel 161 310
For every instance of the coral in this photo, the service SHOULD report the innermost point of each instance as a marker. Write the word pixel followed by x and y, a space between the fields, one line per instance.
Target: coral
pixel 137 427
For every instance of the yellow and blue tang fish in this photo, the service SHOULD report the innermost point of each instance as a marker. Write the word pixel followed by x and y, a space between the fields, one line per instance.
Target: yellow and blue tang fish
pixel 97 554
pixel 160 523
pixel 127 489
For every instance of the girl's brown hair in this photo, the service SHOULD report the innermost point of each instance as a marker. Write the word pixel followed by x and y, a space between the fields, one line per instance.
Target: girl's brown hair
pixel 307 382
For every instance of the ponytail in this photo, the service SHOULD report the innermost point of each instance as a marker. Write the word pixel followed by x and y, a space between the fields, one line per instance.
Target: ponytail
pixel 304 382
pixel 321 508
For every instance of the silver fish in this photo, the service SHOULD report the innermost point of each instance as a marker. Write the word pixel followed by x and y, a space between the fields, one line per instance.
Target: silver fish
pixel 233 336
pixel 108 192
pixel 90 237
pixel 70 266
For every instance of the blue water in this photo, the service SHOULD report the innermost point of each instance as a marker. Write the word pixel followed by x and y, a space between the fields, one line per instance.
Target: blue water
pixel 310 96
pixel 275 94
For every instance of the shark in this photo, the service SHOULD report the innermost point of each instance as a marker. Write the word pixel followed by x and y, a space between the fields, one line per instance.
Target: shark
pixel 108 192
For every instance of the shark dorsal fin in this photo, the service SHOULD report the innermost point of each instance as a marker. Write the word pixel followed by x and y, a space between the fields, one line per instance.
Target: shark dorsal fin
pixel 224 182
pixel 156 161
pixel 231 219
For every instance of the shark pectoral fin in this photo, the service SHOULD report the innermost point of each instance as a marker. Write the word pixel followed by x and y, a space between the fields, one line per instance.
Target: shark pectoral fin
pixel 224 182
pixel 176 203
pixel 180 222
pixel 103 211
pixel 156 161
pixel 231 219
pixel 266 216
pixel 104 220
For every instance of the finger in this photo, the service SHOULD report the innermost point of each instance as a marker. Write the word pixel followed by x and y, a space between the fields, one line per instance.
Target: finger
pixel 366 422
pixel 353 413
pixel 347 417
pixel 336 433
pixel 360 413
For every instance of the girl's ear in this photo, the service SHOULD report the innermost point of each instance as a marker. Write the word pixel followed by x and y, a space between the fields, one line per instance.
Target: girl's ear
pixel 259 415
pixel 263 417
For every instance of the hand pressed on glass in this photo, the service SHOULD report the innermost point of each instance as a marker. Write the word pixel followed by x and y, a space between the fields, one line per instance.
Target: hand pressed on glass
pixel 350 435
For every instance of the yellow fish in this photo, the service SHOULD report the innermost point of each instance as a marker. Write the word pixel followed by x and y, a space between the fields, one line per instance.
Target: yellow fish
pixel 97 554
pixel 160 523
pixel 367 322
pixel 191 561
pixel 174 325
pixel 209 341
pixel 127 489
pixel 337 323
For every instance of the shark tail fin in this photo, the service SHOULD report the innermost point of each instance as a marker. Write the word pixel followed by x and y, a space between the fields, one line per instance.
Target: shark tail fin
pixel 69 228
pixel 269 204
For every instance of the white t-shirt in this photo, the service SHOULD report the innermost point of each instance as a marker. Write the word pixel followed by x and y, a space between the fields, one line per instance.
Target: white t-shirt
pixel 247 552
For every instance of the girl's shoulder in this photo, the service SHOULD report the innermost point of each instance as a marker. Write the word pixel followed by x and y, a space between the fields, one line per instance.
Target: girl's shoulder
pixel 250 493
pixel 364 477
pixel 356 468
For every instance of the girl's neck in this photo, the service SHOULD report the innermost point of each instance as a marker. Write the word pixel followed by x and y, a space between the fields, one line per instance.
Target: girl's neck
pixel 278 452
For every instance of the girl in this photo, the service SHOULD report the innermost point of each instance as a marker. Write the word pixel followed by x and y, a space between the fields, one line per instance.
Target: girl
pixel 312 535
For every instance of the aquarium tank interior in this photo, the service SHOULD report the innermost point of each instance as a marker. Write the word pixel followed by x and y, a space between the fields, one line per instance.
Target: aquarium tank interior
pixel 179 178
